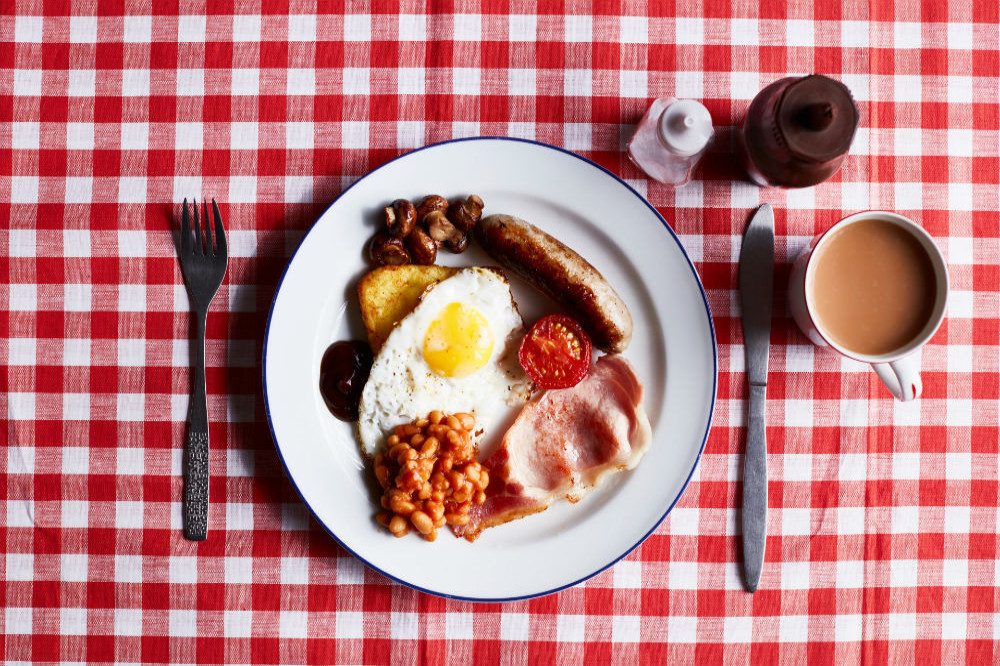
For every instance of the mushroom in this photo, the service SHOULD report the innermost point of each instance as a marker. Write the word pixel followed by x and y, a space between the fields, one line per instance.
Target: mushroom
pixel 422 247
pixel 386 250
pixel 458 244
pixel 429 204
pixel 465 214
pixel 400 218
pixel 439 228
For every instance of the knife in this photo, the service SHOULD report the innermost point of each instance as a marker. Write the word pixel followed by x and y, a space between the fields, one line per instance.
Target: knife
pixel 756 283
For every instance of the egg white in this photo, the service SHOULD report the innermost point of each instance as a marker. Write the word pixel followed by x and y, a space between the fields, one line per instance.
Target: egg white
pixel 402 387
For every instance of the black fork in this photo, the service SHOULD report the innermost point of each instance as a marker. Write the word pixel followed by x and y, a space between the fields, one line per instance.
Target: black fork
pixel 204 267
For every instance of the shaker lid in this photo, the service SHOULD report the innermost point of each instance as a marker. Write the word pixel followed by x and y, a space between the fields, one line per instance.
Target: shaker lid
pixel 817 118
pixel 686 127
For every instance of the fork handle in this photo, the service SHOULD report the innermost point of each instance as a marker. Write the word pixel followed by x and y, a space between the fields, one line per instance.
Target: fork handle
pixel 196 452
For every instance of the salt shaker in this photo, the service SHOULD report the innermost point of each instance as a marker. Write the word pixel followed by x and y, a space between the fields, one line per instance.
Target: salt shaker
pixel 670 139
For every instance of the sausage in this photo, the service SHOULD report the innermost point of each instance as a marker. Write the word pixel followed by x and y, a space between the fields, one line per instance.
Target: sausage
pixel 562 274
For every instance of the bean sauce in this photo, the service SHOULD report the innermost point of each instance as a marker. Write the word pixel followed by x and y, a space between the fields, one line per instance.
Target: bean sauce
pixel 342 377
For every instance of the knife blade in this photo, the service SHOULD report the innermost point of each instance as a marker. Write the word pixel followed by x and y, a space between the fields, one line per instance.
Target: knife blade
pixel 756 284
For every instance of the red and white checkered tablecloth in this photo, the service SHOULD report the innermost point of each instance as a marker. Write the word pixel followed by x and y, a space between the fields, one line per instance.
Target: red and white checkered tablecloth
pixel 883 520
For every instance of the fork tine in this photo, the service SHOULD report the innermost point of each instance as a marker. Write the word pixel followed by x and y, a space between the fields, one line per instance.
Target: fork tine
pixel 220 232
pixel 185 231
pixel 197 230
pixel 208 230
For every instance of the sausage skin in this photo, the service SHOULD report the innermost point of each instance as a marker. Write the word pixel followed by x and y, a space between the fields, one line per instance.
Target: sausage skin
pixel 562 274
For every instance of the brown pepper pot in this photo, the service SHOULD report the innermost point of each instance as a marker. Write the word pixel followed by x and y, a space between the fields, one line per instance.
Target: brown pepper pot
pixel 797 131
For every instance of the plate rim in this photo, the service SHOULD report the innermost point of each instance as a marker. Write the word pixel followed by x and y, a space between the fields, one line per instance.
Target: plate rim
pixel 711 409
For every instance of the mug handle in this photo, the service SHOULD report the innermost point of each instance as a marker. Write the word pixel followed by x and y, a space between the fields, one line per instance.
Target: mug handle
pixel 901 377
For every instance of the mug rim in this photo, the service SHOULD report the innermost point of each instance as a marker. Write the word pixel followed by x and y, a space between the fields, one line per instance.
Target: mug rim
pixel 940 270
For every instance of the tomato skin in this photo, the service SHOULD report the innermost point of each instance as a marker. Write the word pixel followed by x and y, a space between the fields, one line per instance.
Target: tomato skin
pixel 556 352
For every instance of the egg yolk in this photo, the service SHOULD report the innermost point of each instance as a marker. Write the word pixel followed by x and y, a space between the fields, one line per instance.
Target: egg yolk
pixel 458 342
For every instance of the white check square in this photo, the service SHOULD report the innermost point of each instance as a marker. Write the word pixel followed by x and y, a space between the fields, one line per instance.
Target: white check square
pixel 357 80
pixel 466 81
pixel 799 33
pixel 571 628
pixel 135 136
pixel 190 82
pixel 357 28
pixel 83 29
pixel 80 136
pixel 302 28
pixel 245 82
pixel 412 27
pixel 293 624
pixel 188 136
pixel 854 34
pixel 191 28
pixel 24 136
pixel 626 628
pixel 128 622
pixel 21 351
pixel 246 28
pixel 410 80
pixel 23 297
pixel 690 31
pixel 522 27
pixel 135 83
pixel 22 242
pixel 633 30
pixel 27 82
pixel 82 83
pixel 467 28
pixel 72 621
pixel 76 406
pixel 20 566
pixel 137 29
pixel 682 629
pixel 350 624
pixel 906 35
pixel 578 28
pixel 76 297
pixel 28 29
pixel 79 190
pixel 131 407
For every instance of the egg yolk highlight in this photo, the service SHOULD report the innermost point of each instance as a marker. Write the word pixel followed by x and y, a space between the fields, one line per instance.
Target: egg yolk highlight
pixel 458 342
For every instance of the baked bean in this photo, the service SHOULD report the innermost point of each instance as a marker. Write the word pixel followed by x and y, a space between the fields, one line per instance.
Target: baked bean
pixel 401 506
pixel 416 440
pixel 398 526
pixel 468 421
pixel 392 441
pixel 440 522
pixel 453 422
pixel 421 423
pixel 422 522
pixel 430 447
pixel 435 417
pixel 430 536
pixel 457 518
pixel 480 497
pixel 383 518
pixel 462 495
pixel 434 509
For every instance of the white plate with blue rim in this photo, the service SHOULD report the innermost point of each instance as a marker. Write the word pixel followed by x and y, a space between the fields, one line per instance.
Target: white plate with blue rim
pixel 673 351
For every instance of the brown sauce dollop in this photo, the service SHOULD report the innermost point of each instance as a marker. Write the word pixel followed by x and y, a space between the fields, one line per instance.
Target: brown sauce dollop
pixel 342 377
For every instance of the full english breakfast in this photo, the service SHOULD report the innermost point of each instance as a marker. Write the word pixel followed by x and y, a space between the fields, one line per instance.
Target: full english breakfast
pixel 470 421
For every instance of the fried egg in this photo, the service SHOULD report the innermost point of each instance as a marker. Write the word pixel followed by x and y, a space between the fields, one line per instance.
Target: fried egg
pixel 456 352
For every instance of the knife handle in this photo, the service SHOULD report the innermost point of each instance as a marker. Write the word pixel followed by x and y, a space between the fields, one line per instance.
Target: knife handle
pixel 755 489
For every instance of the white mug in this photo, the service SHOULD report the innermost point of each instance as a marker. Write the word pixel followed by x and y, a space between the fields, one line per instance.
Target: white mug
pixel 897 369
